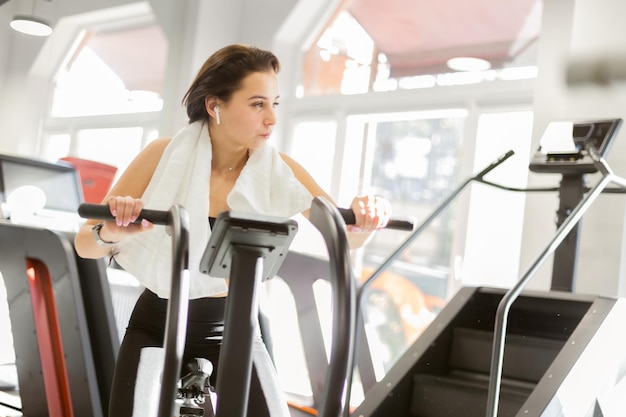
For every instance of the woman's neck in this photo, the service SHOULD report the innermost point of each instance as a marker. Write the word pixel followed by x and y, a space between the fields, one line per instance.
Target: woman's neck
pixel 227 157
pixel 227 162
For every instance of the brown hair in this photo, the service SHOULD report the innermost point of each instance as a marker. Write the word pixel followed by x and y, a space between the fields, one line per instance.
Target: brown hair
pixel 222 74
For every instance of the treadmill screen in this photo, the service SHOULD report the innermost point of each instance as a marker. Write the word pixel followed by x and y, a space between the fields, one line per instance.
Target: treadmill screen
pixel 60 183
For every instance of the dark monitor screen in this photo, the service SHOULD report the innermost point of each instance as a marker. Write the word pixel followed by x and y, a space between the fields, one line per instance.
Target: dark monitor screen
pixel 565 145
pixel 572 137
pixel 59 182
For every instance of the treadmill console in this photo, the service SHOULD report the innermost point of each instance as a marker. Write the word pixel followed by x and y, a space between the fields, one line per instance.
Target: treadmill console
pixel 564 146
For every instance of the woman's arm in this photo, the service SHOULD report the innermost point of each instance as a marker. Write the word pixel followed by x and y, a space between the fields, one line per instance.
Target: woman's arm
pixel 306 179
pixel 370 212
pixel 124 201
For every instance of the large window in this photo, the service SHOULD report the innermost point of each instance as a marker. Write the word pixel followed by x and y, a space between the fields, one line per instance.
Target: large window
pixel 386 46
pixel 100 78
pixel 107 99
pixel 412 160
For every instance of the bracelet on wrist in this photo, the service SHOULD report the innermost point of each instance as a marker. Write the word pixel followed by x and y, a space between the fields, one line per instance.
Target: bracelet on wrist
pixel 96 235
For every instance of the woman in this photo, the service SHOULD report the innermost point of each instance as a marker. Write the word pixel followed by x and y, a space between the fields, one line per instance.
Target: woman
pixel 221 161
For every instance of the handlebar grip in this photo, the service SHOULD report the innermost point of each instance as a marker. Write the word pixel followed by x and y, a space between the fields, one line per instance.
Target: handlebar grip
pixel 396 223
pixel 102 212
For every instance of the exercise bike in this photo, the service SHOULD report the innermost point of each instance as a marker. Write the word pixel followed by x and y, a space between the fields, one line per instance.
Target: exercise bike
pixel 246 246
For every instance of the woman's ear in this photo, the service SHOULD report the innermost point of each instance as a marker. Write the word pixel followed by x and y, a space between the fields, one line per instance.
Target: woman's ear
pixel 210 103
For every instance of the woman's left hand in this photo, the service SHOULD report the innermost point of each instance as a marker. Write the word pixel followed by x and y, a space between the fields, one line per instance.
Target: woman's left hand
pixel 370 212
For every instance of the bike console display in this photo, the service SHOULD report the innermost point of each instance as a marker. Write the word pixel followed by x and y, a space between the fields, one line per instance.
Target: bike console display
pixel 564 146
pixel 271 236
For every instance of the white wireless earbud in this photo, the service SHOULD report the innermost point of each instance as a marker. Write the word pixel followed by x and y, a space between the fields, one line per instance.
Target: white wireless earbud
pixel 216 109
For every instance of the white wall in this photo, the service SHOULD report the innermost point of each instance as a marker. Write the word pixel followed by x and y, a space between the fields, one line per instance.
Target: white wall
pixel 599 33
pixel 571 30
pixel 549 105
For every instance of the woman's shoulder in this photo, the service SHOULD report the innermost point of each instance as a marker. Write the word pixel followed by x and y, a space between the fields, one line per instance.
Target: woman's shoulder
pixel 297 169
pixel 158 145
pixel 287 159
pixel 155 149
pixel 150 155
pixel 137 175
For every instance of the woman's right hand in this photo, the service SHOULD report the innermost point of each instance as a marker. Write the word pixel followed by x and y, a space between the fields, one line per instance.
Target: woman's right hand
pixel 125 210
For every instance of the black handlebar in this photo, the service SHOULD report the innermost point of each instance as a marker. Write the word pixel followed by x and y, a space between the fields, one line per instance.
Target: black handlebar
pixel 102 212
pixel 406 224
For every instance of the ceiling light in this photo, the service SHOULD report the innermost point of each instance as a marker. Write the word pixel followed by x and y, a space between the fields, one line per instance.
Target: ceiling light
pixel 468 64
pixel 31 25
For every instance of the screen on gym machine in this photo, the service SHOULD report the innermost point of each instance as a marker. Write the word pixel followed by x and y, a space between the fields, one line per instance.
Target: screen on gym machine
pixel 52 189
pixel 564 145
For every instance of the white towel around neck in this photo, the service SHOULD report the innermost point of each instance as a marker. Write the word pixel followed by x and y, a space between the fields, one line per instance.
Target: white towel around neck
pixel 266 186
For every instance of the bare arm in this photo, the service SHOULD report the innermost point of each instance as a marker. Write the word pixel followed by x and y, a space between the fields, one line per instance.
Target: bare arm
pixel 371 213
pixel 306 179
pixel 124 201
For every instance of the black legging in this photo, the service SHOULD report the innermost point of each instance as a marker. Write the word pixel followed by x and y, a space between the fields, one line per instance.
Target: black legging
pixel 204 337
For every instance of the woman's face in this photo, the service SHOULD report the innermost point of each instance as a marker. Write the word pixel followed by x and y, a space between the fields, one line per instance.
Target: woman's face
pixel 248 118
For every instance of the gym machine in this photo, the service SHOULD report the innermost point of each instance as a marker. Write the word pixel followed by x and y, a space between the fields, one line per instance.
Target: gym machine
pixel 248 250
pixel 552 338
